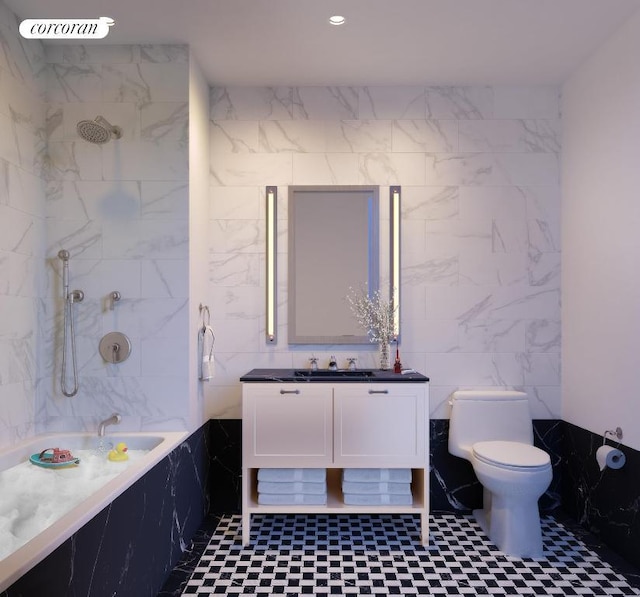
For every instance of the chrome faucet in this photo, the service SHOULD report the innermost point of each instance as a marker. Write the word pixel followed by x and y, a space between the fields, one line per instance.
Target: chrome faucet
pixel 112 420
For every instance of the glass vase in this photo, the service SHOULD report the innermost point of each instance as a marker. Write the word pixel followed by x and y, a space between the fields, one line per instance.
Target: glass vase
pixel 385 355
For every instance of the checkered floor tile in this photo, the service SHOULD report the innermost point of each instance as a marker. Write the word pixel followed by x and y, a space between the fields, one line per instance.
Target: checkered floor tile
pixel 294 555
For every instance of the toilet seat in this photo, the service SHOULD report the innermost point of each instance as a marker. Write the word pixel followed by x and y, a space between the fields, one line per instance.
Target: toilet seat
pixel 511 455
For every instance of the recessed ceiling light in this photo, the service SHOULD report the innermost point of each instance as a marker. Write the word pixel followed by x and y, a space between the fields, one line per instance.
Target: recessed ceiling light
pixel 337 20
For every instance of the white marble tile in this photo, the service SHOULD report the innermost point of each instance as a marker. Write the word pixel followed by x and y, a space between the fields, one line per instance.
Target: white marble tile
pixel 163 278
pixel 392 168
pixel 251 103
pixel 74 83
pixel 544 270
pixel 295 136
pixel 516 136
pixel 385 103
pixel 95 54
pixel 237 203
pixel 326 169
pixel 450 237
pixel 251 169
pixel 425 135
pixel 162 53
pixel 163 357
pixel 74 160
pixel 358 136
pixel 491 169
pixel 145 160
pixel 237 236
pixel 461 103
pixel 429 271
pixel 543 335
pixel 17 231
pixel 92 200
pixel 145 239
pixel 164 200
pixel 234 136
pixel 481 203
pixel 541 369
pixel 161 121
pixel 497 269
pixel 429 203
pixel 234 269
pixel 491 336
pixel 430 335
pixel 325 103
pixel 475 369
pixel 145 82
pixel 24 190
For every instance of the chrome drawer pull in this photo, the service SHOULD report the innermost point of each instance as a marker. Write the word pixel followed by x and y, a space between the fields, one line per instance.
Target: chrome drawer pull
pixel 289 391
pixel 378 391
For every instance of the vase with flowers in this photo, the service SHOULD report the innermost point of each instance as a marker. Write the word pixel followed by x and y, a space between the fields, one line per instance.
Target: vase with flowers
pixel 375 315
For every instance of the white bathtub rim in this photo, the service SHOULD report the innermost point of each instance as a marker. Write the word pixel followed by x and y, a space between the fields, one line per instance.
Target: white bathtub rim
pixel 34 551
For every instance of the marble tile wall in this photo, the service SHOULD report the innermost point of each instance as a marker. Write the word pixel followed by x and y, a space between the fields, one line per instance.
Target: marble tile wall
pixel 479 170
pixel 121 210
pixel 22 224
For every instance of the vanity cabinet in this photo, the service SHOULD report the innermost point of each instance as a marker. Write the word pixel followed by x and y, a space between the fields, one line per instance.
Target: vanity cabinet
pixel 334 426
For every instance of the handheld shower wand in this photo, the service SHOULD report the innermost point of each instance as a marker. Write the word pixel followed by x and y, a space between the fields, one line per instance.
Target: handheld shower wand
pixel 69 336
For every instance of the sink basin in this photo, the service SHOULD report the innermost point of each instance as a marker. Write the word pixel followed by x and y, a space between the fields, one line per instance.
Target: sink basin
pixel 340 373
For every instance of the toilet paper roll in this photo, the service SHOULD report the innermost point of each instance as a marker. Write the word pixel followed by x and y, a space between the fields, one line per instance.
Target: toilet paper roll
pixel 609 456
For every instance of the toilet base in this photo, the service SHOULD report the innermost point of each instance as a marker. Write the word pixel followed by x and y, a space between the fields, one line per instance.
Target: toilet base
pixel 513 525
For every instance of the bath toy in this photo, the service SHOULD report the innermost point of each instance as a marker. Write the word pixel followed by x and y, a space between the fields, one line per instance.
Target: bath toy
pixel 119 454
pixel 54 458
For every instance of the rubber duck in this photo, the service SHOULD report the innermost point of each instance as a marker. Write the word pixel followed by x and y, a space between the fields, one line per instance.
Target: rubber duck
pixel 119 453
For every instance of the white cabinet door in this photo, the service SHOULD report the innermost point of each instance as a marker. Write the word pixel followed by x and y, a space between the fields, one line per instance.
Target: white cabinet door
pixel 287 425
pixel 378 425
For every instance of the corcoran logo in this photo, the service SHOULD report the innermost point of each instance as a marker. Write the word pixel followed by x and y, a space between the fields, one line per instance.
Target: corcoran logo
pixel 66 28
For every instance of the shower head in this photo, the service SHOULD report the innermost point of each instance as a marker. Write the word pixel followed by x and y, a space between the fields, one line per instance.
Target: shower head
pixel 64 255
pixel 98 130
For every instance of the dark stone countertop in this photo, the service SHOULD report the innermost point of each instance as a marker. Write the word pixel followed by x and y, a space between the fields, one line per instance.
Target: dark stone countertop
pixel 326 376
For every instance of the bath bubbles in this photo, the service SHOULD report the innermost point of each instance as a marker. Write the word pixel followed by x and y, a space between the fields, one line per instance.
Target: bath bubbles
pixel 33 498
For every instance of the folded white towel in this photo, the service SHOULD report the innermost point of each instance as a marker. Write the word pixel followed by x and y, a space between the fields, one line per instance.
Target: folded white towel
pixel 372 499
pixel 373 488
pixel 306 487
pixel 292 474
pixel 395 475
pixel 307 499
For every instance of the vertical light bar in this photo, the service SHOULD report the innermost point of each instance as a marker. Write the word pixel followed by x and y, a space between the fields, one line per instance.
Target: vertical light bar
pixel 394 267
pixel 272 199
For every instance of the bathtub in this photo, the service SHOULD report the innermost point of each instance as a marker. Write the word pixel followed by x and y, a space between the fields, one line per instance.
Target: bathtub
pixel 28 555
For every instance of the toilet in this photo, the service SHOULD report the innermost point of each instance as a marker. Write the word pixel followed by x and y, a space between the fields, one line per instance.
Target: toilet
pixel 493 431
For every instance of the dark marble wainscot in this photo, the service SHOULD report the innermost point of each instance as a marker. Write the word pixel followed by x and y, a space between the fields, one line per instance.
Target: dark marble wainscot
pixel 225 482
pixel 606 503
pixel 131 546
pixel 455 487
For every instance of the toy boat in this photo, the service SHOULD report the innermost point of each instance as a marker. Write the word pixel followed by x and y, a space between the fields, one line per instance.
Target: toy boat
pixel 54 458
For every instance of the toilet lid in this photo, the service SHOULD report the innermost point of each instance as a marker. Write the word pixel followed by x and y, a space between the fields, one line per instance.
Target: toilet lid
pixel 511 454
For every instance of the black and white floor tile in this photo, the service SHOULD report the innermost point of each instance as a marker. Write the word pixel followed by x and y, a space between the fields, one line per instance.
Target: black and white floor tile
pixel 295 555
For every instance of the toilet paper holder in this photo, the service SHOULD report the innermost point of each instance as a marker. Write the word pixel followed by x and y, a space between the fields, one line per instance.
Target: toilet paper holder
pixel 617 433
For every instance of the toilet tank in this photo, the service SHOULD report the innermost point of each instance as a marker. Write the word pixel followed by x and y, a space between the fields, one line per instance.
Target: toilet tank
pixel 478 416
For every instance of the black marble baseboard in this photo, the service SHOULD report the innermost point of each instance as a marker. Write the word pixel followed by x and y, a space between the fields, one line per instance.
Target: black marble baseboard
pixel 606 503
pixel 131 546
pixel 454 485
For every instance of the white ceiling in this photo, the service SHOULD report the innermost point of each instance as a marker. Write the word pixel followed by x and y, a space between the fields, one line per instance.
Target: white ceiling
pixel 384 42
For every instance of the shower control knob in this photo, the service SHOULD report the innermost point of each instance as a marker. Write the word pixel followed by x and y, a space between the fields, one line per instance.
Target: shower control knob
pixel 115 347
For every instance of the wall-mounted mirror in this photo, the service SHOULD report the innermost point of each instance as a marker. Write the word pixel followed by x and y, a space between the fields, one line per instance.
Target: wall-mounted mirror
pixel 333 246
